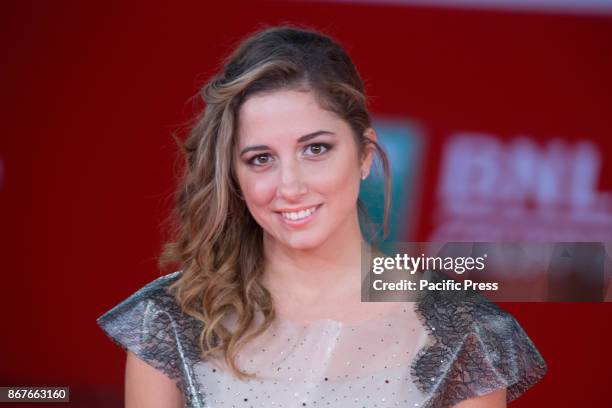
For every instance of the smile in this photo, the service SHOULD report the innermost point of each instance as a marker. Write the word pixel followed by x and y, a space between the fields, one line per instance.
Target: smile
pixel 299 217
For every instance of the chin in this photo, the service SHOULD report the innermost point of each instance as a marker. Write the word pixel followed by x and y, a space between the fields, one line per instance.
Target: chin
pixel 305 243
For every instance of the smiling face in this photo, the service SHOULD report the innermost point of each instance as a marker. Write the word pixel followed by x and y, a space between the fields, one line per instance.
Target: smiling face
pixel 298 168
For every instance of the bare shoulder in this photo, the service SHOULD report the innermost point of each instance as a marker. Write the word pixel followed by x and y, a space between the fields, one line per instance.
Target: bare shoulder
pixel 495 399
pixel 146 386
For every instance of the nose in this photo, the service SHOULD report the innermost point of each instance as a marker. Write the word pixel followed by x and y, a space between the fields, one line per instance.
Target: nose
pixel 292 185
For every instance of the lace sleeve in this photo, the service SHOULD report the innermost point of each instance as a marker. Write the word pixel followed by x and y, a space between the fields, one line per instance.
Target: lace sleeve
pixel 150 325
pixel 475 348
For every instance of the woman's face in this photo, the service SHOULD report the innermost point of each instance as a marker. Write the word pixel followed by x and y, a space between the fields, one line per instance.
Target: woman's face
pixel 298 168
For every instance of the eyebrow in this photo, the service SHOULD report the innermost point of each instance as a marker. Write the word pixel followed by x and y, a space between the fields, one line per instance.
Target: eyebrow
pixel 302 139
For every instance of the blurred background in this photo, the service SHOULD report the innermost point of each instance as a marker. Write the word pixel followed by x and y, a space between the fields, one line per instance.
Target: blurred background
pixel 496 114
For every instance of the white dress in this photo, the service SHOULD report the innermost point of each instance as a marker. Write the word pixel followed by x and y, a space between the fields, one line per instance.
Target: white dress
pixel 432 353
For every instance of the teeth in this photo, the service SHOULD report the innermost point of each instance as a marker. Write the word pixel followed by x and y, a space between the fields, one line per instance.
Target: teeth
pixel 298 215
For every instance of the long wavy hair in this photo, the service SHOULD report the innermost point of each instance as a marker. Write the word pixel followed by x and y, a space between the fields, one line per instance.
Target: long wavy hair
pixel 214 239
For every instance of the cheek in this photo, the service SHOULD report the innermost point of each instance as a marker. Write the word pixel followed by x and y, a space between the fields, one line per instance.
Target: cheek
pixel 258 191
pixel 340 178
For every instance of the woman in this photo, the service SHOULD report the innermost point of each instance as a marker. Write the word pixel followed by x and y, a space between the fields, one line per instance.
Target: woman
pixel 266 308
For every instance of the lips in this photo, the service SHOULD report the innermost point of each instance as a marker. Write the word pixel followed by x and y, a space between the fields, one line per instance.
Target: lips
pixel 299 216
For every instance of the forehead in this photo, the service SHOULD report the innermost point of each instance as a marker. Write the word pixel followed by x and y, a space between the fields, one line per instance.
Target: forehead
pixel 284 115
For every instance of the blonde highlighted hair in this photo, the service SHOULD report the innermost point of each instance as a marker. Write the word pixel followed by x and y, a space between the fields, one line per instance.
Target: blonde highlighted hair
pixel 215 241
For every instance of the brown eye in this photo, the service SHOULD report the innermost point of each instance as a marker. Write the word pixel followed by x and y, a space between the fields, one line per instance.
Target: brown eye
pixel 317 149
pixel 259 160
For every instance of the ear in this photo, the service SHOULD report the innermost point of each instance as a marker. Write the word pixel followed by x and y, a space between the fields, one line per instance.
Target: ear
pixel 368 152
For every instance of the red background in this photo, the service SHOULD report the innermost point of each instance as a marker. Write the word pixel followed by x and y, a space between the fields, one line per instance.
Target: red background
pixel 92 92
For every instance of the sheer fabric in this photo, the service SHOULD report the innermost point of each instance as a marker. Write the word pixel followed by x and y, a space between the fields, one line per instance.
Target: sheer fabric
pixel 432 353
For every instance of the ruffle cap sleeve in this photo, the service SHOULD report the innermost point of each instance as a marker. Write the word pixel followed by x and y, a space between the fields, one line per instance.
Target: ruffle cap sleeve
pixel 150 324
pixel 474 348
